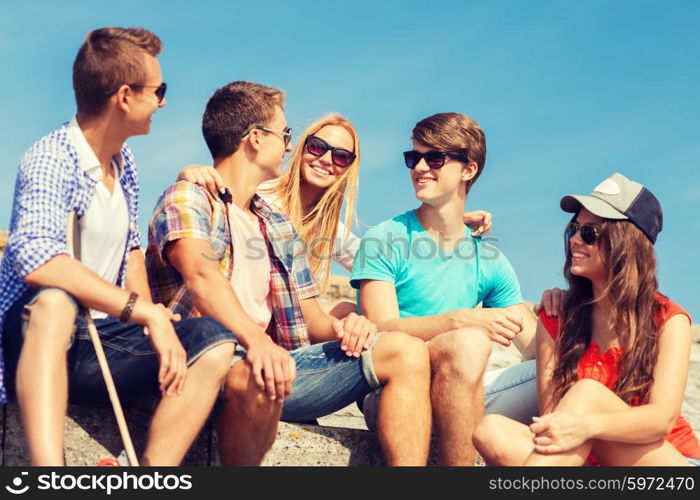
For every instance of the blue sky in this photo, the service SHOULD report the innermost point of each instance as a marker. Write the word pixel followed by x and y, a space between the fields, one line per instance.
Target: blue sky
pixel 567 93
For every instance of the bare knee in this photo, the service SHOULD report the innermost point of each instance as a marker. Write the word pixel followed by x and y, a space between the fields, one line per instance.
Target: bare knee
pixel 494 441
pixel 52 317
pixel 400 354
pixel 460 354
pixel 242 394
pixel 581 395
pixel 216 361
pixel 239 382
pixel 56 303
pixel 586 386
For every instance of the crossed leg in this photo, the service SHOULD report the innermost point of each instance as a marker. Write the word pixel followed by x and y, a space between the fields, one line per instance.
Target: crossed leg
pixel 505 442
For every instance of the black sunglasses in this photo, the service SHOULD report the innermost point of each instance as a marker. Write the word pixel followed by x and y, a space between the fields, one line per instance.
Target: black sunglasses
pixel 285 135
pixel 589 232
pixel 159 92
pixel 434 159
pixel 318 147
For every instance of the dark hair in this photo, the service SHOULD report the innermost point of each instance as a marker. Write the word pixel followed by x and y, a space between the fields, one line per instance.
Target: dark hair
pixel 233 110
pixel 631 289
pixel 107 59
pixel 457 133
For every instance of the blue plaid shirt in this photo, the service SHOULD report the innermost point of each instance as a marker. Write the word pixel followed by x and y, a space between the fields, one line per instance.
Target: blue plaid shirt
pixel 50 184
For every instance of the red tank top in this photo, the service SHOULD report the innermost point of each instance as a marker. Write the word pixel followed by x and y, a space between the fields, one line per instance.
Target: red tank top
pixel 603 367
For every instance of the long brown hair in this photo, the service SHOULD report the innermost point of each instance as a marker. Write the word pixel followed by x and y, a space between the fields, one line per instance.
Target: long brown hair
pixel 319 227
pixel 629 258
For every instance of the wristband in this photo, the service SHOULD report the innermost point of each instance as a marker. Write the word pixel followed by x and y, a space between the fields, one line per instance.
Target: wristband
pixel 128 308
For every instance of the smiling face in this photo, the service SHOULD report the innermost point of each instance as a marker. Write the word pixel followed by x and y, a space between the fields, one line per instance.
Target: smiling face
pixel 587 260
pixel 319 171
pixel 143 102
pixel 437 186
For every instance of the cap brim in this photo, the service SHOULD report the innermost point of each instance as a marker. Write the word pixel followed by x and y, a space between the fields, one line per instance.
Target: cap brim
pixel 573 202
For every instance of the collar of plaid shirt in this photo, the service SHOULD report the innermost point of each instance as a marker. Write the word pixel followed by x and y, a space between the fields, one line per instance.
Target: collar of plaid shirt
pixel 289 329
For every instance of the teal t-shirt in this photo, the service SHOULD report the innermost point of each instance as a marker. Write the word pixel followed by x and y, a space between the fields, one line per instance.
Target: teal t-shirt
pixel 428 279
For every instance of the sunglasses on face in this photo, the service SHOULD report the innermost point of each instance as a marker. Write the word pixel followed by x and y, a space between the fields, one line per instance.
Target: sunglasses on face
pixel 159 92
pixel 434 159
pixel 318 147
pixel 285 135
pixel 589 232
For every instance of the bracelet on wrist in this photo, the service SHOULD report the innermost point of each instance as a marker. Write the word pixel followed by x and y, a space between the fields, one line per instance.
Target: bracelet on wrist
pixel 128 308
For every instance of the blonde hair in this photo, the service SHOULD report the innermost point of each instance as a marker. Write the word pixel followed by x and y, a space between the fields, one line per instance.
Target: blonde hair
pixel 319 227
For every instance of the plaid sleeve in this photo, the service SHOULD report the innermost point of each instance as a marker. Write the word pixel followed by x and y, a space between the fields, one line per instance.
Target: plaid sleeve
pixel 40 211
pixel 183 211
pixel 301 271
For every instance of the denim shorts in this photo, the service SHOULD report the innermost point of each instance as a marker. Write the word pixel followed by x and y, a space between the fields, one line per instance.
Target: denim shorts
pixel 509 391
pixel 512 392
pixel 133 362
pixel 327 380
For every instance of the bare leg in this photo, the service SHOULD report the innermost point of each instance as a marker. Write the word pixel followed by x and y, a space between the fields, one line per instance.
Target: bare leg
pixel 458 360
pixel 661 453
pixel 42 376
pixel 503 441
pixel 402 366
pixel 339 308
pixel 587 396
pixel 247 422
pixel 576 400
pixel 180 417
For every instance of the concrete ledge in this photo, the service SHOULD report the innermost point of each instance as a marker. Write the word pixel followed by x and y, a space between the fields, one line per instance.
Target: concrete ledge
pixel 91 435
pixel 313 445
